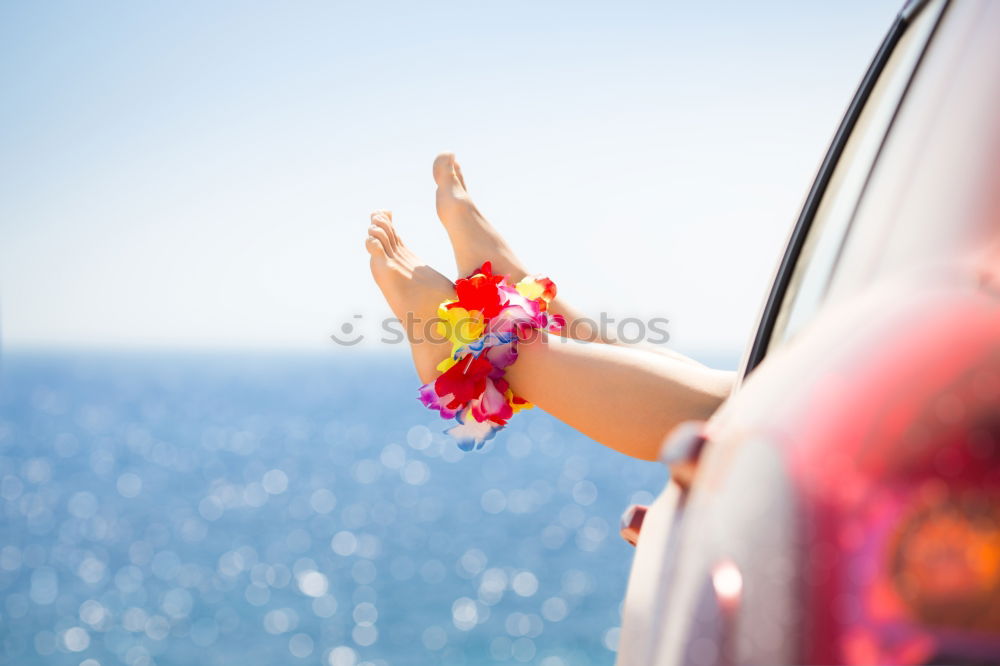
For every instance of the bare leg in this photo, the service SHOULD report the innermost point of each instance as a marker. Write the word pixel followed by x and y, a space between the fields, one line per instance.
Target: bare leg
pixel 474 240
pixel 625 398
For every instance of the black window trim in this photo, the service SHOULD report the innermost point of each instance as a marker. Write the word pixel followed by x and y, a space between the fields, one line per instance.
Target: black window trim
pixel 800 232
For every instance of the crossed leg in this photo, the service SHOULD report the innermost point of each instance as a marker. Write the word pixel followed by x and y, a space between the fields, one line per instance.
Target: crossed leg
pixel 627 399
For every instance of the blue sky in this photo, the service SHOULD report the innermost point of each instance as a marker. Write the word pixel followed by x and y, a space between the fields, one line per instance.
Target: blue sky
pixel 200 174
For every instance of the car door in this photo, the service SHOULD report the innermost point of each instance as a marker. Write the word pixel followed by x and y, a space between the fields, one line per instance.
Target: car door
pixel 672 613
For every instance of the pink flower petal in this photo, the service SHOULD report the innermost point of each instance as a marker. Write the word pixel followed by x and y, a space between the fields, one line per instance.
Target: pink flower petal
pixel 501 356
pixel 432 400
pixel 491 405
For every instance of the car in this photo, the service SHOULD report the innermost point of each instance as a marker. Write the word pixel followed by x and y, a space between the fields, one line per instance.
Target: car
pixel 843 504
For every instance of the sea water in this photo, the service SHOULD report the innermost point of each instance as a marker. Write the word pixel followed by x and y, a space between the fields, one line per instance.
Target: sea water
pixel 251 509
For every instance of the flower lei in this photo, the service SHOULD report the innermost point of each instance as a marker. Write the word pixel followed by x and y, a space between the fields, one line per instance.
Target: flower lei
pixel 483 325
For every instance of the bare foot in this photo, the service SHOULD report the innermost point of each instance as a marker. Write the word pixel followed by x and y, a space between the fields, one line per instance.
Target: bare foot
pixel 473 238
pixel 413 290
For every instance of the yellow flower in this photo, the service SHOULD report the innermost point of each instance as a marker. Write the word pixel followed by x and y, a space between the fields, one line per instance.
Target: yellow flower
pixel 535 287
pixel 516 406
pixel 446 364
pixel 459 326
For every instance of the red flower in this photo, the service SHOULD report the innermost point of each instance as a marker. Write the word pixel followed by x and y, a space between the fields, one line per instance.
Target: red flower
pixel 485 269
pixel 464 381
pixel 480 291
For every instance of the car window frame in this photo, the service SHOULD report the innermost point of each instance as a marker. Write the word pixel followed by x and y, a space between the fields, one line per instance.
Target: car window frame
pixel 800 232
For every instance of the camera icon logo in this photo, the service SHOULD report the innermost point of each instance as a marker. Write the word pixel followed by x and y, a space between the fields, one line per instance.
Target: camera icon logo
pixel 348 336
